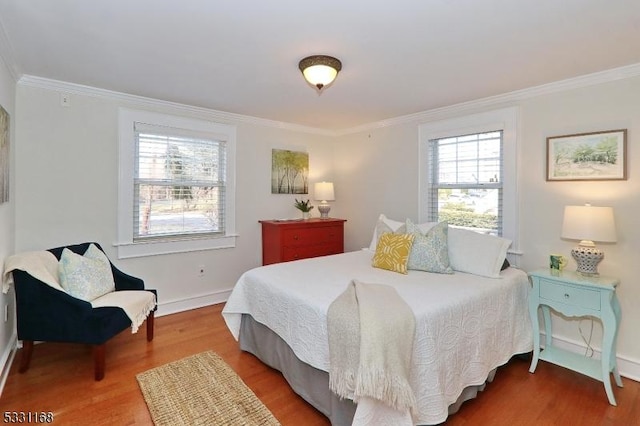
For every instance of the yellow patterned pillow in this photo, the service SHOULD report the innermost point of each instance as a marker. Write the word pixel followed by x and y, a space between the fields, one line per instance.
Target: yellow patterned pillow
pixel 392 252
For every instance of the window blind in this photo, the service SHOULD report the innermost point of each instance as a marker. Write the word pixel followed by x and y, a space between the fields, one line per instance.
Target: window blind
pixel 465 181
pixel 179 183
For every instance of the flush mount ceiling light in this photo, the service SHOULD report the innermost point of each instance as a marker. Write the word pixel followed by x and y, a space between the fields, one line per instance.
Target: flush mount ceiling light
pixel 320 70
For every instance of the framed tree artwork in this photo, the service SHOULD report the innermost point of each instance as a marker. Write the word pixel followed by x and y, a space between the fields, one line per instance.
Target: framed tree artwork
pixel 587 156
pixel 289 172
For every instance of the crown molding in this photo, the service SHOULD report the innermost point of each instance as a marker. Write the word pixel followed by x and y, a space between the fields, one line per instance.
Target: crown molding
pixel 144 102
pixel 497 101
pixel 505 99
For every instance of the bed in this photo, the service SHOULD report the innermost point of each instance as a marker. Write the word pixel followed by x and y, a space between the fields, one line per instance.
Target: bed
pixel 467 325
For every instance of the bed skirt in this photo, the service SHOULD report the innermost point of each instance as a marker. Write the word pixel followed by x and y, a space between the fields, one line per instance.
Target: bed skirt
pixel 309 382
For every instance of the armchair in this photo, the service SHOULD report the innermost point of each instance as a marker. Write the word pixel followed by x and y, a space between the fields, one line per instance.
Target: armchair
pixel 47 313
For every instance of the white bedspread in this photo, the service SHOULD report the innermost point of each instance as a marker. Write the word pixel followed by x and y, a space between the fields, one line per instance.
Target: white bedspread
pixel 466 325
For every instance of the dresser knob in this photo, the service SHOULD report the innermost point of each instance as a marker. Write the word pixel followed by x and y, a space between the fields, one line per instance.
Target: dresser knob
pixel 295 237
pixel 566 295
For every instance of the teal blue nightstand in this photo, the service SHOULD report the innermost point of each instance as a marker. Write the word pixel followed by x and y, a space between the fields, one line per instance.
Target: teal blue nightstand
pixel 574 295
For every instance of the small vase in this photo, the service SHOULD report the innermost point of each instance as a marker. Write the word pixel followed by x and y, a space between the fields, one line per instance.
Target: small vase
pixel 305 215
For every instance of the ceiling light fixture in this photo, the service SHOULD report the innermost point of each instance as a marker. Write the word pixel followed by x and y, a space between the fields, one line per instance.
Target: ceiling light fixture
pixel 320 70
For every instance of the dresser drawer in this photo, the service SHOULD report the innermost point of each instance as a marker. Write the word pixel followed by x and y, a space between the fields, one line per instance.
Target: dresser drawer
pixel 304 252
pixel 305 236
pixel 569 295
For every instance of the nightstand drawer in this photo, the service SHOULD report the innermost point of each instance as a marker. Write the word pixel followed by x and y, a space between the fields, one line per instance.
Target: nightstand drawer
pixel 570 295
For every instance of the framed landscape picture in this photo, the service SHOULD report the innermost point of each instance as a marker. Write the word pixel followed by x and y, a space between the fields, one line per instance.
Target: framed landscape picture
pixel 289 172
pixel 587 156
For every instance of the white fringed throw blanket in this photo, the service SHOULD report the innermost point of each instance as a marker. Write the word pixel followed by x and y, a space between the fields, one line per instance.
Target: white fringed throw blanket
pixel 41 265
pixel 371 331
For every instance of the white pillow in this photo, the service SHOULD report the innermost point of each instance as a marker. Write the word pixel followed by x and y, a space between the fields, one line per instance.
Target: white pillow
pixel 394 226
pixel 86 277
pixel 476 253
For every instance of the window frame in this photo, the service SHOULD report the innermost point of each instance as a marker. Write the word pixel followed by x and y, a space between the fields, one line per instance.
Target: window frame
pixel 126 245
pixel 506 120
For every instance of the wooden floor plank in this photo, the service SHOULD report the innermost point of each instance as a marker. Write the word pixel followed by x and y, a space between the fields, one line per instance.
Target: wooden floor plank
pixel 60 380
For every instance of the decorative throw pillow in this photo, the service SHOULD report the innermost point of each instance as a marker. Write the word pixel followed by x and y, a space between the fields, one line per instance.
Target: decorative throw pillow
pixel 86 277
pixel 385 224
pixel 430 251
pixel 392 252
pixel 475 253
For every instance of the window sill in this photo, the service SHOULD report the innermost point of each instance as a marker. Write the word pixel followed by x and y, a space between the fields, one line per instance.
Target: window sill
pixel 154 248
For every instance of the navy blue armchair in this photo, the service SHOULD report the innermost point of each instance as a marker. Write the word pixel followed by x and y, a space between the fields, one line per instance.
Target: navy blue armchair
pixel 46 314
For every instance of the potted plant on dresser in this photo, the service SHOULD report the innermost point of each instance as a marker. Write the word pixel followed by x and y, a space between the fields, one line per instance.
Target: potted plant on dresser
pixel 304 207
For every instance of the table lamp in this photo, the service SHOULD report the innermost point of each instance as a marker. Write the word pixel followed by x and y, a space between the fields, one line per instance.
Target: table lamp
pixel 323 192
pixel 588 224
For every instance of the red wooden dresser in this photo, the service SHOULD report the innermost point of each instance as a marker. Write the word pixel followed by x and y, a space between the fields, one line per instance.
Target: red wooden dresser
pixel 285 240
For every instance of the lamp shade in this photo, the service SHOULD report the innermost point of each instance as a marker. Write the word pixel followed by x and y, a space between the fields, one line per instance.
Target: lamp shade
pixel 589 223
pixel 323 191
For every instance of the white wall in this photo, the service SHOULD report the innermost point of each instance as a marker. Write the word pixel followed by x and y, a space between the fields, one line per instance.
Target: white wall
pixel 377 171
pixel 7 215
pixel 66 181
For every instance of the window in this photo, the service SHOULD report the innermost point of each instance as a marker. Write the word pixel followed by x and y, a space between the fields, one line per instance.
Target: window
pixel 468 172
pixel 466 181
pixel 176 184
pixel 179 183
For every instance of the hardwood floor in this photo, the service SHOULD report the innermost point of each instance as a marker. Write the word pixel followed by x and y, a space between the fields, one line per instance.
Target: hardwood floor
pixel 60 380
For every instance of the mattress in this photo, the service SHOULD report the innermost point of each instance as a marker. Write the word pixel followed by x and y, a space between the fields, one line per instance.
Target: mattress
pixel 466 325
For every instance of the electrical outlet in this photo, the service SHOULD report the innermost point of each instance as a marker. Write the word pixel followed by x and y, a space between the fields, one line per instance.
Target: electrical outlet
pixel 201 271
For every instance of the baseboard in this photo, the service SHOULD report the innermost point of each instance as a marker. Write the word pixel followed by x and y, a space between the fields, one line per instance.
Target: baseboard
pixel 6 360
pixel 195 302
pixel 627 367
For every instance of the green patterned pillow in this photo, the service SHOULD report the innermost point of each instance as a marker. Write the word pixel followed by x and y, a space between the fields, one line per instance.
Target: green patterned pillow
pixel 86 277
pixel 392 252
pixel 430 251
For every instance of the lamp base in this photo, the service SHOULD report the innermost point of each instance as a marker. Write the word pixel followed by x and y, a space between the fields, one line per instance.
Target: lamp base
pixel 587 259
pixel 324 210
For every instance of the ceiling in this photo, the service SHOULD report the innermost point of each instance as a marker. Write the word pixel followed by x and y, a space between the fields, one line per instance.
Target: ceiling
pixel 399 57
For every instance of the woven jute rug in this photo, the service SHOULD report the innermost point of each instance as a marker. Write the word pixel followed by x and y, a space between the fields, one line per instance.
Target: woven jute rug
pixel 201 390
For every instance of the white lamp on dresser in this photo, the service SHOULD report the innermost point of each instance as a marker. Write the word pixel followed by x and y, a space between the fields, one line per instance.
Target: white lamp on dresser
pixel 323 192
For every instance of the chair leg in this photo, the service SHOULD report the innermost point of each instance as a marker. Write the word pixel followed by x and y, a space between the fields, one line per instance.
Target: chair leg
pixel 150 321
pixel 98 360
pixel 27 350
